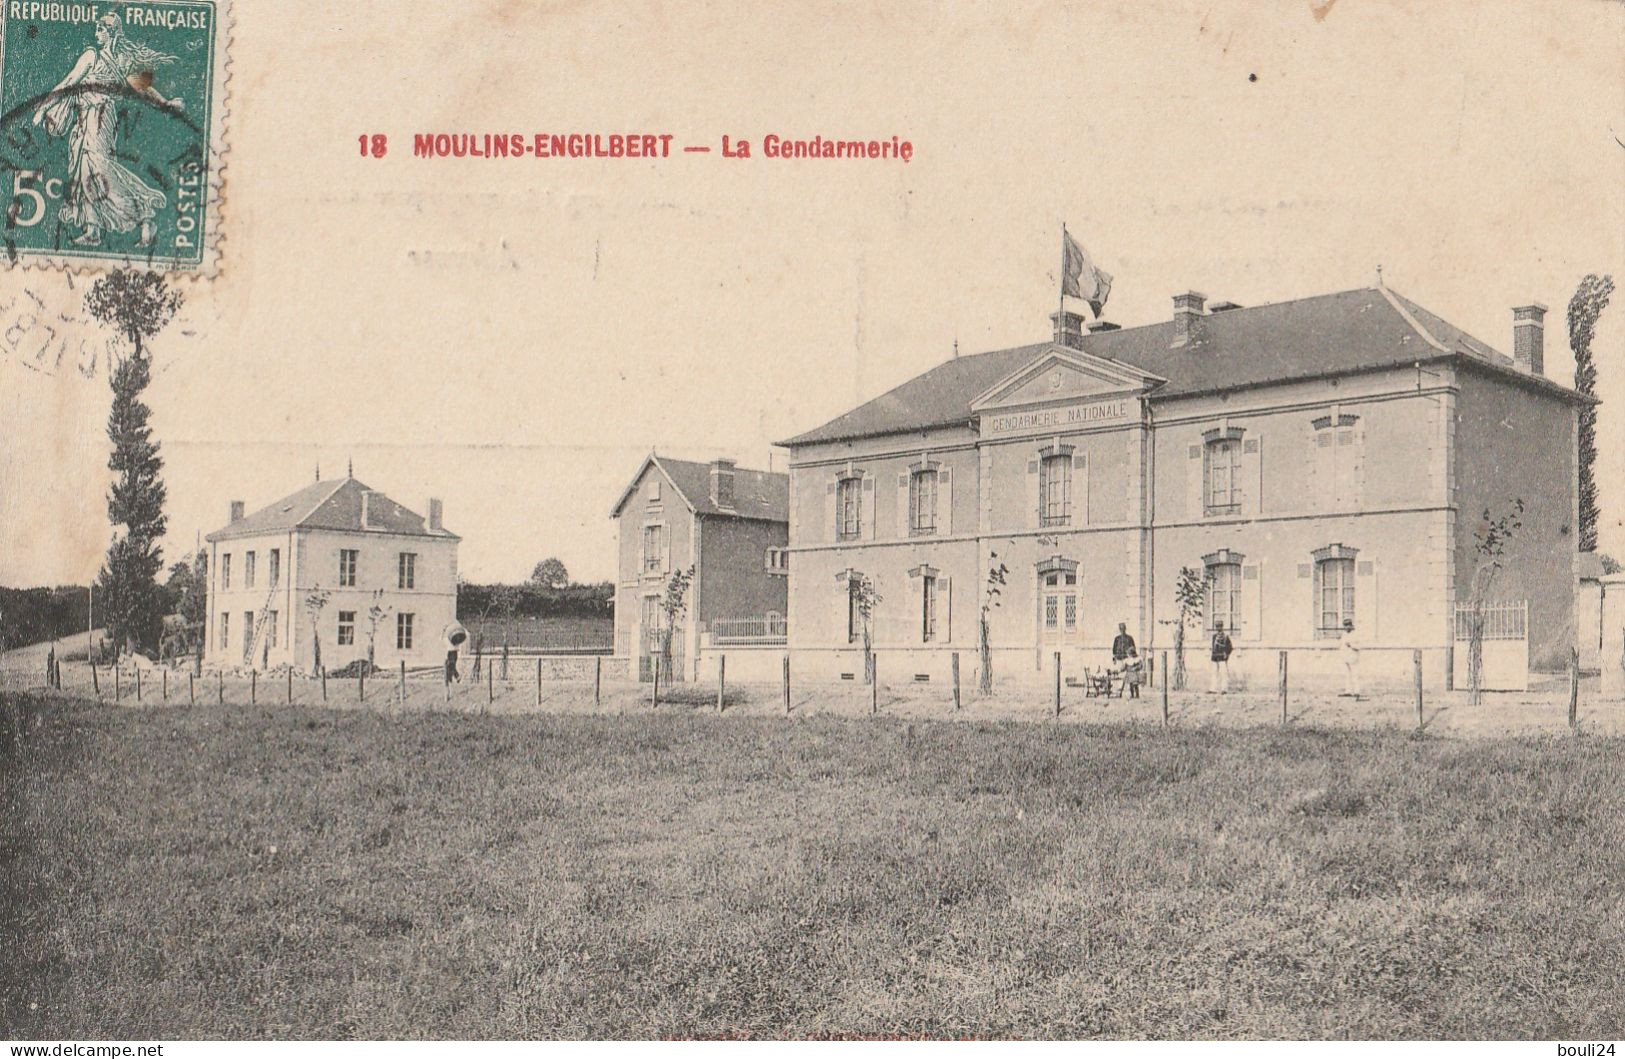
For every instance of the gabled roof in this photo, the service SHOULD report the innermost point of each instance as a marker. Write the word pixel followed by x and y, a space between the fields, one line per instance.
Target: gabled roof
pixel 761 495
pixel 331 505
pixel 1365 329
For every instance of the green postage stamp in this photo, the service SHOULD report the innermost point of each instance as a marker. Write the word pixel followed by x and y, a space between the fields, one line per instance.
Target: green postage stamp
pixel 111 132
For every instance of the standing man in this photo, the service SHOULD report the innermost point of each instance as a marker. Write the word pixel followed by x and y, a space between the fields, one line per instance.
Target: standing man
pixel 1351 660
pixel 1123 646
pixel 1221 660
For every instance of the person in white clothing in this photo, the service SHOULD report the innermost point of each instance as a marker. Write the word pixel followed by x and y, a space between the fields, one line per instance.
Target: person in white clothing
pixel 1351 659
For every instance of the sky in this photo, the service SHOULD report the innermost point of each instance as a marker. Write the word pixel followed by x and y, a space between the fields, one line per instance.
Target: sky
pixel 514 335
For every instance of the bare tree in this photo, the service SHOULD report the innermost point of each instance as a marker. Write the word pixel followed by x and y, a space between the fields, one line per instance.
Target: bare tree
pixel 375 614
pixel 1489 546
pixel 315 601
pixel 992 588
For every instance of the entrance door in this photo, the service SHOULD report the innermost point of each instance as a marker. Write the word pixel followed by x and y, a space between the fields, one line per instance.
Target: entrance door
pixel 649 656
pixel 1058 610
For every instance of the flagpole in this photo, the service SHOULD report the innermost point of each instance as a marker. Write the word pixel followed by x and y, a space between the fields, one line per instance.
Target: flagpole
pixel 1060 310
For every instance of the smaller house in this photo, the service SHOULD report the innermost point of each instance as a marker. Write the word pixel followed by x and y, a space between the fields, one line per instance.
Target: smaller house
pixel 732 526
pixel 387 574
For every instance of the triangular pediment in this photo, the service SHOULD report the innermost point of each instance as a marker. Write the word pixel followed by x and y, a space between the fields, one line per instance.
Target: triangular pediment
pixel 1062 374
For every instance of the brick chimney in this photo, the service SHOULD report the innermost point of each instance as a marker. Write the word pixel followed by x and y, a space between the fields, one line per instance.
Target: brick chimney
pixel 1188 317
pixel 366 509
pixel 1071 325
pixel 236 511
pixel 436 515
pixel 1529 338
pixel 722 483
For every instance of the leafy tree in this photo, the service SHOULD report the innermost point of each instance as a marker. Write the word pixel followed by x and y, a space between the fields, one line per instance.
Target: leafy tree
pixel 186 595
pixel 1190 595
pixel 550 573
pixel 1589 300
pixel 992 587
pixel 673 605
pixel 1489 545
pixel 138 305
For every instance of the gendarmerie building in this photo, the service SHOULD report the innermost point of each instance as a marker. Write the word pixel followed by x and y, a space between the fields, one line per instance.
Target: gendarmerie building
pixel 1317 460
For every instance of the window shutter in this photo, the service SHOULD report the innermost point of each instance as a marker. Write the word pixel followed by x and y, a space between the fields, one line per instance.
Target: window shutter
pixel 903 513
pixel 1252 476
pixel 866 507
pixel 665 546
pixel 1032 494
pixel 1325 467
pixel 1365 600
pixel 1357 466
pixel 832 524
pixel 945 501
pixel 945 609
pixel 1251 604
pixel 1309 574
pixel 1193 482
pixel 843 604
pixel 1080 489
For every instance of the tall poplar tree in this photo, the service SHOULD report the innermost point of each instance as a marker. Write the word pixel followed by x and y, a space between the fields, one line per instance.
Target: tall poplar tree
pixel 1589 300
pixel 138 305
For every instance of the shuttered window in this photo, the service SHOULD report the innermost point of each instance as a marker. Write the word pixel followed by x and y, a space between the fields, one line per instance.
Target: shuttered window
pixel 1055 490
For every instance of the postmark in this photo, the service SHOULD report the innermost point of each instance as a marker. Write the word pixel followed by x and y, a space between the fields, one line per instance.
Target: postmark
pixel 112 120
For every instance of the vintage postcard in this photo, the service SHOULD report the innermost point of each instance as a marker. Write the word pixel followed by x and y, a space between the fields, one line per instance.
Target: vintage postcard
pixel 917 521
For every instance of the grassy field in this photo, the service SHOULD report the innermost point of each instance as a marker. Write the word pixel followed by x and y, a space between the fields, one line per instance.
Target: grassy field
pixel 290 872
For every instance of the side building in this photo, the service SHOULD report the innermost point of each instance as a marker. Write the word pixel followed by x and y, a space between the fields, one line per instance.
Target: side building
pixel 731 525
pixel 388 576
pixel 1315 461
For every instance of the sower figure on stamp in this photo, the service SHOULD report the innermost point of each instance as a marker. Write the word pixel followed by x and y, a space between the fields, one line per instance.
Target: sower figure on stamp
pixel 101 193
pixel 1221 660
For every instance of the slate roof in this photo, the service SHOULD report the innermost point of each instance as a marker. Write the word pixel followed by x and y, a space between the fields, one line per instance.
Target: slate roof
pixel 332 505
pixel 1330 334
pixel 757 494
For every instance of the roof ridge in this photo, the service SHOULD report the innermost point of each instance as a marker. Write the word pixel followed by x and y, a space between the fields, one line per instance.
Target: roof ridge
pixel 302 519
pixel 1393 299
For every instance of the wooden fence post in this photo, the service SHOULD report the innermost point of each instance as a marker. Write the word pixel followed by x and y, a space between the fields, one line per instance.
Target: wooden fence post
pixel 874 684
pixel 597 681
pixel 1283 687
pixel 956 681
pixel 538 680
pixel 253 686
pixel 323 671
pixel 361 686
pixel 654 693
pixel 165 692
pixel 95 681
pixel 220 686
pixel 191 689
pixel 290 685
pixel 490 683
pixel 787 683
pixel 138 684
pixel 1165 689
pixel 722 680
pixel 1574 690
pixel 117 683
pixel 1057 684
pixel 403 683
pixel 1416 677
